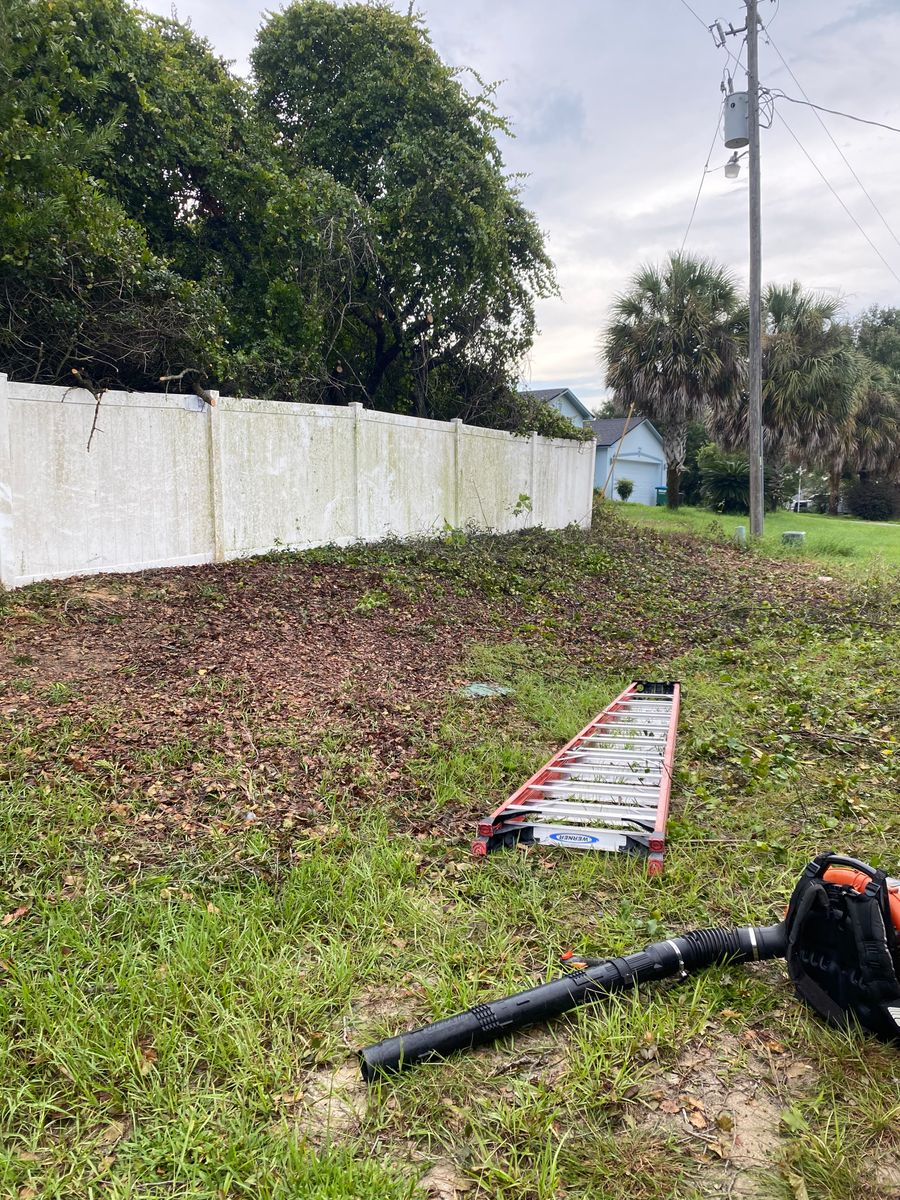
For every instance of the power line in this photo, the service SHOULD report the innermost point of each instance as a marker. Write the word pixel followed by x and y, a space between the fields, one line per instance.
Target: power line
pixel 787 67
pixel 706 168
pixel 838 198
pixel 703 175
pixel 695 15
pixel 836 112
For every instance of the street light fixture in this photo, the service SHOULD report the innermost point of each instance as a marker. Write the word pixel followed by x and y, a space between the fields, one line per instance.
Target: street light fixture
pixel 733 167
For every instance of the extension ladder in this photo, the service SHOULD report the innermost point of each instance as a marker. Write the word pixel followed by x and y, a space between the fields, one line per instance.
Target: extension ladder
pixel 607 789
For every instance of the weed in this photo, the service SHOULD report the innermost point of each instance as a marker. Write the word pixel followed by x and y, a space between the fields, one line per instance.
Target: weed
pixel 370 600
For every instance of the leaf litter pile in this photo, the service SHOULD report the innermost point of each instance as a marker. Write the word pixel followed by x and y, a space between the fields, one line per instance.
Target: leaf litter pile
pixel 284 691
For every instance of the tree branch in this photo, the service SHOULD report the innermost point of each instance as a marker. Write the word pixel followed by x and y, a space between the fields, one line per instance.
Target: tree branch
pixel 195 384
pixel 97 393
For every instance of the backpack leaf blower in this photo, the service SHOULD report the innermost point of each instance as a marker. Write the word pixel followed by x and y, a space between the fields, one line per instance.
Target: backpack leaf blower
pixel 841 939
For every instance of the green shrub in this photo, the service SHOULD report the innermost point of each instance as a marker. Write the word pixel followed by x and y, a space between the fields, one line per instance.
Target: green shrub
pixel 624 488
pixel 871 501
pixel 725 481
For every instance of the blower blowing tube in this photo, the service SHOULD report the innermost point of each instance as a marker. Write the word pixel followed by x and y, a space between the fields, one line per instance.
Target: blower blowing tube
pixel 486 1022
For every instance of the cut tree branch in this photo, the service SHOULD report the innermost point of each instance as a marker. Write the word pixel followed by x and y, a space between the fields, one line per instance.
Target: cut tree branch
pixel 97 393
pixel 195 384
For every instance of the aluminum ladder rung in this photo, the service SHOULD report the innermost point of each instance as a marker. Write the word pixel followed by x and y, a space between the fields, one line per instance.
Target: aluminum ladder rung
pixel 620 767
pixel 575 779
pixel 624 728
pixel 646 739
pixel 597 813
pixel 615 754
pixel 587 790
pixel 656 720
pixel 580 775
pixel 626 769
pixel 625 765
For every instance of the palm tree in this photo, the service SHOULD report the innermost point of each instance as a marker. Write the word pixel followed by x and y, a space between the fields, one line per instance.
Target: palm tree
pixel 810 373
pixel 876 419
pixel 868 441
pixel 672 347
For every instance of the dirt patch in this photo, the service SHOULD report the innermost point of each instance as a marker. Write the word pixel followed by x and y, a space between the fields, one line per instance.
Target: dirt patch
pixel 246 689
pixel 886 1175
pixel 330 1106
pixel 382 1004
pixel 541 1056
pixel 724 1102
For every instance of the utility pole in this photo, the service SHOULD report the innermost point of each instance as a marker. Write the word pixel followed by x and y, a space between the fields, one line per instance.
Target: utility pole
pixel 755 448
pixel 742 129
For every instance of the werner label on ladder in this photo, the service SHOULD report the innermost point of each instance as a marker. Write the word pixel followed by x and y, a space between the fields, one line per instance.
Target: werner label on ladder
pixel 606 789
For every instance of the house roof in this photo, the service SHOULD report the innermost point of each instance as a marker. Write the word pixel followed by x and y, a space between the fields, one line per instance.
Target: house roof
pixel 610 429
pixel 547 395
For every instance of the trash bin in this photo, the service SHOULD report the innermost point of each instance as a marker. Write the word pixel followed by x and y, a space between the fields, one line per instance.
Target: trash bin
pixel 662 495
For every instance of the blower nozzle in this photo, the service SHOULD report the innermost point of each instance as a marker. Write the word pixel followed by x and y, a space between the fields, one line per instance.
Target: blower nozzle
pixel 486 1022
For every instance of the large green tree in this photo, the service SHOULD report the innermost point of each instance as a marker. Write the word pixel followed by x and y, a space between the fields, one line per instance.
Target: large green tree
pixel 150 226
pixel 672 348
pixel 457 261
pixel 340 229
pixel 80 285
pixel 810 369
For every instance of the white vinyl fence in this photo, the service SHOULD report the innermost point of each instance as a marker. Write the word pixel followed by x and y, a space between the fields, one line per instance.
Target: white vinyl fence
pixel 169 481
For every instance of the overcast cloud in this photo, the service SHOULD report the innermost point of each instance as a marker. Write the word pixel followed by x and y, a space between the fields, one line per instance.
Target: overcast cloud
pixel 613 104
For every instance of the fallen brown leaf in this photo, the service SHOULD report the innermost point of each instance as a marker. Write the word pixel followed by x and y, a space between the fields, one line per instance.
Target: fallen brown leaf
pixel 443 1182
pixel 15 914
pixel 112 1134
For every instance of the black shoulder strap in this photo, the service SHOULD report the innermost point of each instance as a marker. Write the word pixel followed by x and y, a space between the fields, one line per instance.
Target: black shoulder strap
pixel 876 965
pixel 808 896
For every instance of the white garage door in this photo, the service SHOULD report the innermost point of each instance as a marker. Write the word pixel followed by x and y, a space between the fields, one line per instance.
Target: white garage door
pixel 646 477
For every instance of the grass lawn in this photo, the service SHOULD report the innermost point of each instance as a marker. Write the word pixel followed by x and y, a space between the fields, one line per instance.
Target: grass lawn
pixel 236 804
pixel 840 541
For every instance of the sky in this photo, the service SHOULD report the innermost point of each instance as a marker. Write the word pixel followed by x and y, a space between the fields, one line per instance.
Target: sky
pixel 613 106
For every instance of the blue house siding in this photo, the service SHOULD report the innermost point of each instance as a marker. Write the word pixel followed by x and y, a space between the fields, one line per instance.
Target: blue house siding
pixel 565 402
pixel 640 459
pixel 564 405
